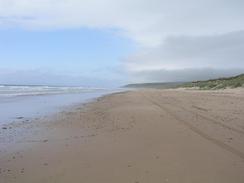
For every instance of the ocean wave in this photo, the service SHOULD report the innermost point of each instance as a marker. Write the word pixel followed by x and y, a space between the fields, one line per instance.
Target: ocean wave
pixel 11 90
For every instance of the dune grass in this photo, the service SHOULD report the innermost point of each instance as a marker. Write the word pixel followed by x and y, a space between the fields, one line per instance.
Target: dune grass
pixel 213 84
pixel 220 83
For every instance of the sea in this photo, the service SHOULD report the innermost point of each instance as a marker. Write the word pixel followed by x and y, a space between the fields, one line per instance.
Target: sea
pixel 27 102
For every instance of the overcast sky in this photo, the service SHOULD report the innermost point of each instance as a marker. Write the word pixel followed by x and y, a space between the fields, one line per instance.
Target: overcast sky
pixel 120 41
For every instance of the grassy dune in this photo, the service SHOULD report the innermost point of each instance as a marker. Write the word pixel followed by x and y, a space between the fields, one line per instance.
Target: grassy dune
pixel 220 83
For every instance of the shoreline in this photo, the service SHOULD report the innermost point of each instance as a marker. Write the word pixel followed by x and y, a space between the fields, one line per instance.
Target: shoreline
pixel 20 124
pixel 132 136
pixel 15 109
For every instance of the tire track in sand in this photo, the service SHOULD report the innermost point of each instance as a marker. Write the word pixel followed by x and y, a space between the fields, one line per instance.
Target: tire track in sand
pixel 198 131
pixel 209 119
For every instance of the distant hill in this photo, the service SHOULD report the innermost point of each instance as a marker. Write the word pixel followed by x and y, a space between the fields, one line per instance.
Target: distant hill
pixel 220 83
pixel 155 85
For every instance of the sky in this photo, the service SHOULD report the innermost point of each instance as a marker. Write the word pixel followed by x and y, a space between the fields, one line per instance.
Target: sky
pixel 114 42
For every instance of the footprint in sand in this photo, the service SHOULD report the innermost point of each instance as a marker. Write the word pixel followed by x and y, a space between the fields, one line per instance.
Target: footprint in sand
pixel 22 170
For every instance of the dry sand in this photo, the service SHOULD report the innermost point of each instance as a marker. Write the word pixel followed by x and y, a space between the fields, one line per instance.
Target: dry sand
pixel 145 136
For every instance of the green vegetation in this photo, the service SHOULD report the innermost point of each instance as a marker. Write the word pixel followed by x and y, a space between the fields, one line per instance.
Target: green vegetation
pixel 213 84
pixel 221 83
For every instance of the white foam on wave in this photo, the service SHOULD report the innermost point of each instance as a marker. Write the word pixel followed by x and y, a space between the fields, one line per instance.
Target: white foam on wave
pixel 12 91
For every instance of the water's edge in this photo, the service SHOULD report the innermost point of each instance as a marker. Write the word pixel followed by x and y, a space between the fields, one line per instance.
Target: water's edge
pixel 15 109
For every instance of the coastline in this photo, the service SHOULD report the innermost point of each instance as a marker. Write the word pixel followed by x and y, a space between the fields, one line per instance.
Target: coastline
pixel 132 136
pixel 28 107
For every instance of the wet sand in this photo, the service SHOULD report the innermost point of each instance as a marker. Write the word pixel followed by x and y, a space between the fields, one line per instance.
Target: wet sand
pixel 145 136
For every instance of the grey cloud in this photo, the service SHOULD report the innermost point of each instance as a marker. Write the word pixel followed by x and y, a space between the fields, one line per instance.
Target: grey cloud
pixel 215 51
pixel 147 22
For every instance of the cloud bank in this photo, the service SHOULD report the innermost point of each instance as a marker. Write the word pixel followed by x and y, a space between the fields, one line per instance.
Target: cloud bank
pixel 218 51
pixel 171 35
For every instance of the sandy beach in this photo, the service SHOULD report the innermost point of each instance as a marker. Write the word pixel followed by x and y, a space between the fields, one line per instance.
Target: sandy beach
pixel 143 136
